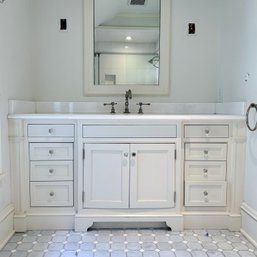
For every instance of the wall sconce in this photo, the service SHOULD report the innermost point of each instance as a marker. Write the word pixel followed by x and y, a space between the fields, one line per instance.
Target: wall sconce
pixel 155 61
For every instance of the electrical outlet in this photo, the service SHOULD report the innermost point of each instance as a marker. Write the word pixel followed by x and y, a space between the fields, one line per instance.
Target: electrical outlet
pixel 63 25
pixel 191 28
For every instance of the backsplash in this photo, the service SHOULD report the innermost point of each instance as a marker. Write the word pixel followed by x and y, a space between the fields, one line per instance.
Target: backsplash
pixel 20 107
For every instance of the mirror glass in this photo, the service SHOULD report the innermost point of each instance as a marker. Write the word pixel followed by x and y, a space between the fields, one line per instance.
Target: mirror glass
pixel 126 42
pixel 127 45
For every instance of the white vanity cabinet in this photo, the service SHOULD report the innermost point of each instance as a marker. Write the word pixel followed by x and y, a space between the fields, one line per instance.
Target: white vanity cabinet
pixel 76 171
pixel 129 175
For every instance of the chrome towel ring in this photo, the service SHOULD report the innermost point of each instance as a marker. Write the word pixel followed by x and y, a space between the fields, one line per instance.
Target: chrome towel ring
pixel 251 106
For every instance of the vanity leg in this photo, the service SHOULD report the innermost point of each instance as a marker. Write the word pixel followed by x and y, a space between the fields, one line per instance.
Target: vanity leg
pixel 83 224
pixel 176 224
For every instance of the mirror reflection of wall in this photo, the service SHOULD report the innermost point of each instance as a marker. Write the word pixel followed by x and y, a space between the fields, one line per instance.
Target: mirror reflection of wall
pixel 126 45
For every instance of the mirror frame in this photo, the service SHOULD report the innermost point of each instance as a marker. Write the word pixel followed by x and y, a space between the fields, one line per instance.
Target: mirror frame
pixel 162 88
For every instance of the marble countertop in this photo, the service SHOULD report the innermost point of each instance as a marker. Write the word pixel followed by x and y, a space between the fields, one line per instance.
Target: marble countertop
pixel 125 117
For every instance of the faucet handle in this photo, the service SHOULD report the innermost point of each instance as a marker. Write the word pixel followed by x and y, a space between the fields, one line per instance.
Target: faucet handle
pixel 140 111
pixel 112 109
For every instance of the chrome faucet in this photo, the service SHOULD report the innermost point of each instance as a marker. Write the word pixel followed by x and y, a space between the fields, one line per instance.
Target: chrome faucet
pixel 128 95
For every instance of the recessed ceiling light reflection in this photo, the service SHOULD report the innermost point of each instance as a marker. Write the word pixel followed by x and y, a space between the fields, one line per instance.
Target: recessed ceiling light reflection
pixel 126 47
pixel 128 38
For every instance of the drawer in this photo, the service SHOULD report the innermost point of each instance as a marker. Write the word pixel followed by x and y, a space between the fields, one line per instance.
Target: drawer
pixel 51 170
pixel 126 131
pixel 205 171
pixel 58 194
pixel 205 193
pixel 215 131
pixel 50 130
pixel 205 151
pixel 51 151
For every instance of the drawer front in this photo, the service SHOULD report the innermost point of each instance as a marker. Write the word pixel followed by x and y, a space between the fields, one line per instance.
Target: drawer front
pixel 58 194
pixel 205 171
pixel 215 131
pixel 127 131
pixel 51 151
pixel 205 193
pixel 51 170
pixel 50 130
pixel 206 151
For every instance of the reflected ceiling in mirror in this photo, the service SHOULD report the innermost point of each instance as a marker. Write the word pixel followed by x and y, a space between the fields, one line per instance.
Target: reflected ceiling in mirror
pixel 126 42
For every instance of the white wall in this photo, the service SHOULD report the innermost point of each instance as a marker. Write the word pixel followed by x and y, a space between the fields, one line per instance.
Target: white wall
pixel 14 74
pixel 240 58
pixel 58 57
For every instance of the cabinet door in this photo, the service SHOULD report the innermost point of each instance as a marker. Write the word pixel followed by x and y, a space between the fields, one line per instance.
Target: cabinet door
pixel 106 175
pixel 152 176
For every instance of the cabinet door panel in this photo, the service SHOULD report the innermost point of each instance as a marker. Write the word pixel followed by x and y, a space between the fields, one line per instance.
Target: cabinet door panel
pixel 152 176
pixel 106 175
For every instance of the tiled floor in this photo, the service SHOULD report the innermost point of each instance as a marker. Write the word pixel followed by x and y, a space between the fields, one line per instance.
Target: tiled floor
pixel 129 243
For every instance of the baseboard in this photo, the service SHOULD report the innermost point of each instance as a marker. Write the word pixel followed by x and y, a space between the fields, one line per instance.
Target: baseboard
pixel 249 223
pixel 43 221
pixel 6 225
pixel 200 220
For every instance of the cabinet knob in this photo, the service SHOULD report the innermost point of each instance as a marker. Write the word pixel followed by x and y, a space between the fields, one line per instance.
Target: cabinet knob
pixel 125 154
pixel 206 152
pixel 51 171
pixel 51 194
pixel 51 152
pixel 207 132
pixel 205 193
pixel 205 171
pixel 134 154
pixel 50 131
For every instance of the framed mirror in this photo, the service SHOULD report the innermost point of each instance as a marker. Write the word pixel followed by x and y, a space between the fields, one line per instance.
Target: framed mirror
pixel 126 46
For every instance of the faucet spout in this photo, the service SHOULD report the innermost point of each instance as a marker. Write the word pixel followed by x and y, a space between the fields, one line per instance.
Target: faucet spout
pixel 128 95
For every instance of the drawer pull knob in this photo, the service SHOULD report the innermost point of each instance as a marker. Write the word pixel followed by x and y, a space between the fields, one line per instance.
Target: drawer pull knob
pixel 51 171
pixel 134 154
pixel 205 193
pixel 126 154
pixel 51 194
pixel 51 152
pixel 207 132
pixel 50 131
pixel 205 171
pixel 206 152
